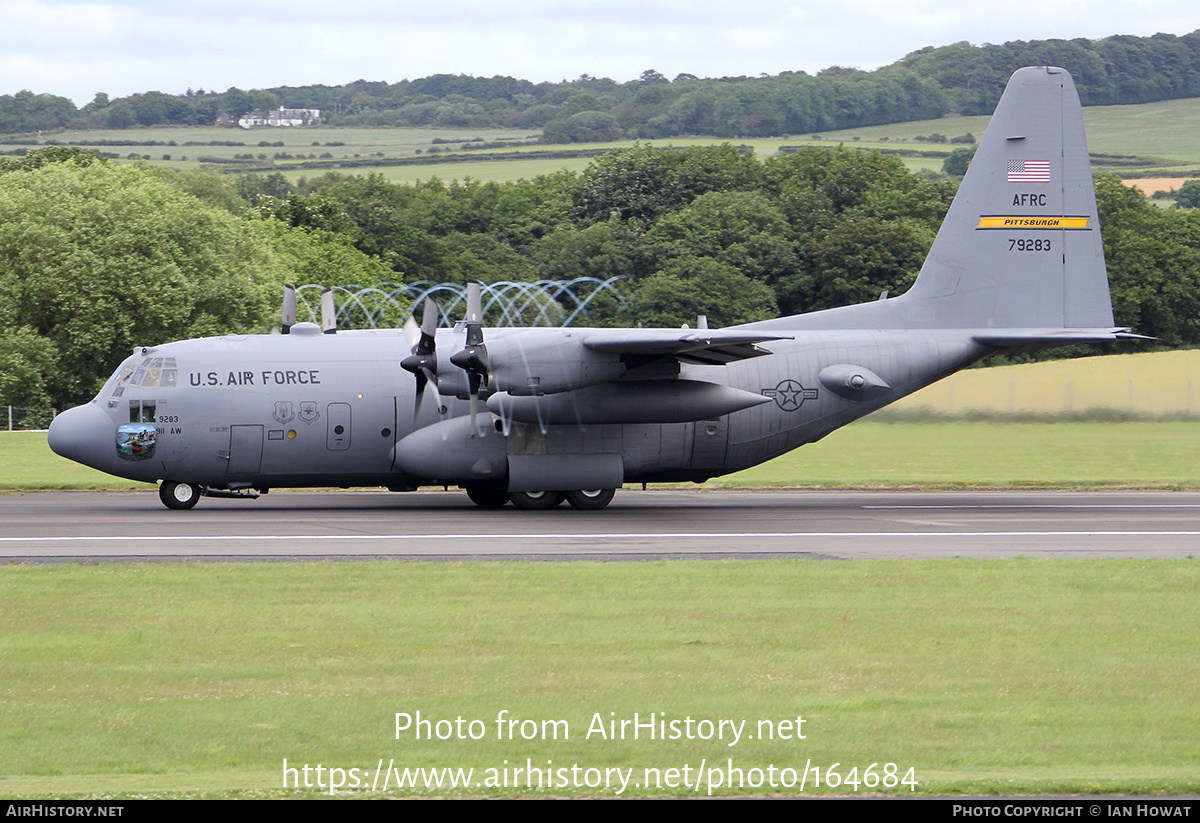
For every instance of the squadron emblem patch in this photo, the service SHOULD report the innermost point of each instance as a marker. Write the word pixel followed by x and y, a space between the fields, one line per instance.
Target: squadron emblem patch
pixel 308 411
pixel 283 411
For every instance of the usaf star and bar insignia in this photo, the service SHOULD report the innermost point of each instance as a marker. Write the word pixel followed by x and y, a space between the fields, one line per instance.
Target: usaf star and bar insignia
pixel 790 395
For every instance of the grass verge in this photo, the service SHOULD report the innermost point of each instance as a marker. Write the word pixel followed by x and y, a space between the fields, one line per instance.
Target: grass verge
pixel 989 677
pixel 989 455
pixel 30 465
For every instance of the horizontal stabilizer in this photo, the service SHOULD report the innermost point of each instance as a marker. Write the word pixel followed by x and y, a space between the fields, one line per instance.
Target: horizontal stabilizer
pixel 1013 338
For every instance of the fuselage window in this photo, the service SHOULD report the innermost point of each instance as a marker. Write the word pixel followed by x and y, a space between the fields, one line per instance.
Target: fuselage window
pixel 143 411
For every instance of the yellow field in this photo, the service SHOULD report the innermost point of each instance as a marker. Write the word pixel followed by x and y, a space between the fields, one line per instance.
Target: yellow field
pixel 1154 385
pixel 1150 185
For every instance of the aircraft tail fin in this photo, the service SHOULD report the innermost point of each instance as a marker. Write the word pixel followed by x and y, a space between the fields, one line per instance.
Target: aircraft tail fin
pixel 1020 246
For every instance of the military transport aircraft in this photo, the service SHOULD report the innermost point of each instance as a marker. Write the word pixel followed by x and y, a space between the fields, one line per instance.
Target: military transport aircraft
pixel 537 416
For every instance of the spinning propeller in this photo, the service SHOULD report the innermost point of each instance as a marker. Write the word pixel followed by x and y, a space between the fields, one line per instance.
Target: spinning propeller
pixel 423 360
pixel 473 359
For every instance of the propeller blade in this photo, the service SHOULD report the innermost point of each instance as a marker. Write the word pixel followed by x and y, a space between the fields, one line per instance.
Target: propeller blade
pixel 412 332
pixel 474 303
pixel 429 319
pixel 328 313
pixel 473 358
pixel 289 309
pixel 422 379
pixel 423 361
pixel 473 381
pixel 426 344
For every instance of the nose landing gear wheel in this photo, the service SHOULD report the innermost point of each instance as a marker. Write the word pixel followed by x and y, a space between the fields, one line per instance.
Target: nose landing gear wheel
pixel 590 499
pixel 178 495
pixel 532 501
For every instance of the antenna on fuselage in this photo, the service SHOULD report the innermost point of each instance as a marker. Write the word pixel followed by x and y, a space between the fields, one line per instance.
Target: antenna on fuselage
pixel 328 313
pixel 289 309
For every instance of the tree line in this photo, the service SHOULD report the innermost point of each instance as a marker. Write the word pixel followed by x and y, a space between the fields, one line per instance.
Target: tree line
pixel 959 78
pixel 1117 70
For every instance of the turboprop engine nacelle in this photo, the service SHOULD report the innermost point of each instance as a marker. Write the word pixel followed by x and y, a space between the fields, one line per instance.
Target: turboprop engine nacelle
pixel 455 450
pixel 536 362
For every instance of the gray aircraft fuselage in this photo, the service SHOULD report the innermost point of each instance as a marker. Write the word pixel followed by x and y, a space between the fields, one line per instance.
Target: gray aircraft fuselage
pixel 328 410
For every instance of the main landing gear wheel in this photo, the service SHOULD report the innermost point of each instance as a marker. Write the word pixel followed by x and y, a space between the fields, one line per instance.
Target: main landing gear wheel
pixel 532 501
pixel 178 495
pixel 590 499
pixel 487 497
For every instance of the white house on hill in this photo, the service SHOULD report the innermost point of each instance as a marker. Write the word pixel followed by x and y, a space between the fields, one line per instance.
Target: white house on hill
pixel 281 117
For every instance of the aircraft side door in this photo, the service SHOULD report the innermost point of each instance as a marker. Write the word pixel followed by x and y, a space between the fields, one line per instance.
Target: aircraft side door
pixel 245 449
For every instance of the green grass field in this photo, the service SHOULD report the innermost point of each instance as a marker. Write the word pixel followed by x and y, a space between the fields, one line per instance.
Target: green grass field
pixel 29 464
pixel 982 677
pixel 1163 133
pixel 358 141
pixel 361 144
pixel 1151 130
pixel 499 171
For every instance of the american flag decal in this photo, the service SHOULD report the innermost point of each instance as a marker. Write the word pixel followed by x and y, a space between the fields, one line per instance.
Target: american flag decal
pixel 1029 171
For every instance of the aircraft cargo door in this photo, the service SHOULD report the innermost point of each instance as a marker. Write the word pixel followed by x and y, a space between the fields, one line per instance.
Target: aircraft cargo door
pixel 245 449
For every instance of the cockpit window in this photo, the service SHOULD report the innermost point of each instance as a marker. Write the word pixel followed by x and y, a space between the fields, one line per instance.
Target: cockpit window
pixel 152 372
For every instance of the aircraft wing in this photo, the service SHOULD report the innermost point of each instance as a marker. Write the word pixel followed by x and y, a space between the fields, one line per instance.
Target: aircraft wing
pixel 706 347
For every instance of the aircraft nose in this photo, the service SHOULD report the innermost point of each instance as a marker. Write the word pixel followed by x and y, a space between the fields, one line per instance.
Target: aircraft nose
pixel 83 434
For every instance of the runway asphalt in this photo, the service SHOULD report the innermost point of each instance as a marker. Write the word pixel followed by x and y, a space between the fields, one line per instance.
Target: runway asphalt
pixel 54 527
